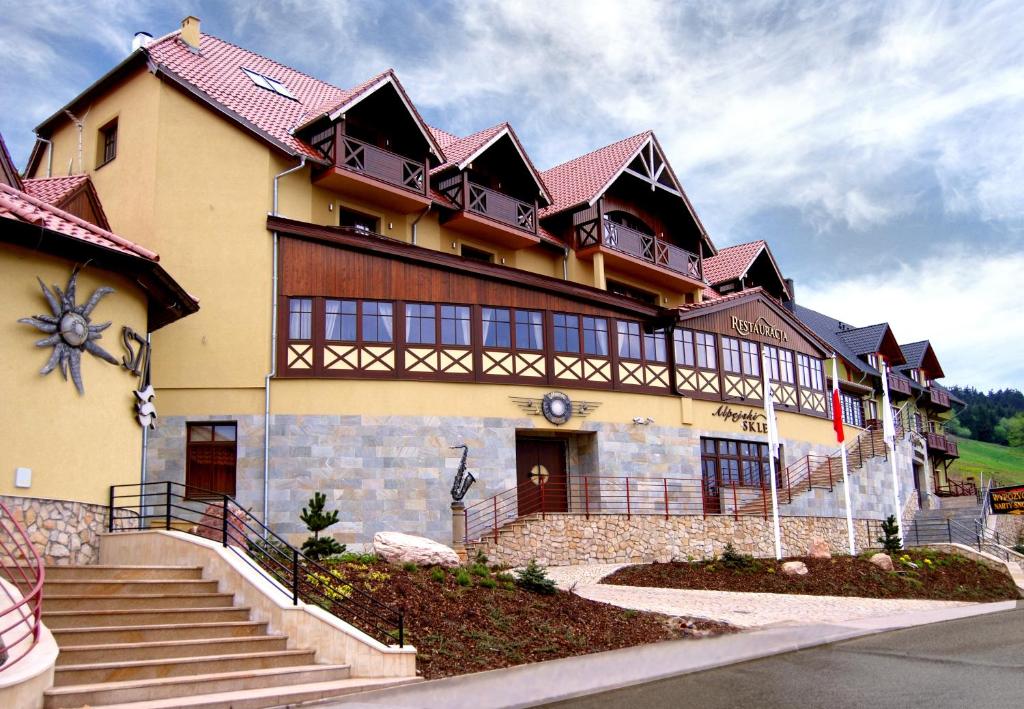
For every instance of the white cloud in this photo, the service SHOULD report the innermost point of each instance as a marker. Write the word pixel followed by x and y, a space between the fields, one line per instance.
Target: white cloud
pixel 965 303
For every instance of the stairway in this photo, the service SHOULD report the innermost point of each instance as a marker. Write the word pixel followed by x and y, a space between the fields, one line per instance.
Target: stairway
pixel 163 636
pixel 929 526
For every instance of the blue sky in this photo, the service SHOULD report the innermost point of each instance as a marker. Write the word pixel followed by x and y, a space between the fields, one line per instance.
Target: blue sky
pixel 878 146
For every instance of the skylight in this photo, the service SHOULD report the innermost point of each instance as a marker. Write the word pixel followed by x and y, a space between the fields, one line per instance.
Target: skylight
pixel 265 82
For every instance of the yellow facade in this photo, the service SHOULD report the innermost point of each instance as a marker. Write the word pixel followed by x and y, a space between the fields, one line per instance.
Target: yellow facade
pixel 76 446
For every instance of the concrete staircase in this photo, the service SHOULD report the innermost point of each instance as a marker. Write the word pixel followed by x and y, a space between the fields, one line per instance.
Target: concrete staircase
pixel 929 526
pixel 163 636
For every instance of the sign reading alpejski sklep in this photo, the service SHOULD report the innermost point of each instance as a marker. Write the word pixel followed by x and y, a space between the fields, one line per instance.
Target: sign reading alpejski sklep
pixel 1007 500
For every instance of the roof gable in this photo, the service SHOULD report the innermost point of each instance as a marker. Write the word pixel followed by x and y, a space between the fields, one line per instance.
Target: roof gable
pixel 827 328
pixel 8 173
pixel 75 194
pixel 873 339
pixel 920 355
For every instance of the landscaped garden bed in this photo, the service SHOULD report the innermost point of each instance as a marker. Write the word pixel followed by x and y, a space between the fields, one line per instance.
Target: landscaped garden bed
pixel 475 618
pixel 918 573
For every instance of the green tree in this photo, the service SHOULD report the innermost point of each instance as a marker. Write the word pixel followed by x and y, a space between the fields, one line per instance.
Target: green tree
pixel 1015 430
pixel 316 521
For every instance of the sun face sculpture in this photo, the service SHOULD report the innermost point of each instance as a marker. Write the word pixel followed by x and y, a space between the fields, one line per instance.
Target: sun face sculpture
pixel 70 331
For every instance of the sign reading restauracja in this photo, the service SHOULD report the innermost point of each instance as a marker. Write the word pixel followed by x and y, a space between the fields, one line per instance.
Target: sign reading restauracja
pixel 1008 500
pixel 759 327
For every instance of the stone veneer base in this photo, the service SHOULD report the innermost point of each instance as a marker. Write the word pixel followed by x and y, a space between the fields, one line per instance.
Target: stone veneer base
pixel 62 531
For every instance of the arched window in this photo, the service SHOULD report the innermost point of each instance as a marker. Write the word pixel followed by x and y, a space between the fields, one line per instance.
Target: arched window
pixel 628 220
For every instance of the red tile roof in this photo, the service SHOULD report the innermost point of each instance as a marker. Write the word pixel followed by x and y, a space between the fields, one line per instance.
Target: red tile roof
pixel 712 298
pixel 22 207
pixel 458 149
pixel 443 137
pixel 53 190
pixel 731 262
pixel 581 179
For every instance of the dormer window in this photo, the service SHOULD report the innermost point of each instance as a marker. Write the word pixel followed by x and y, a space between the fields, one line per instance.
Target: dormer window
pixel 873 360
pixel 270 84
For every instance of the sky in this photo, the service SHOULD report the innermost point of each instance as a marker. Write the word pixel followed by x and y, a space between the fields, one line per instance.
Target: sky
pixel 877 146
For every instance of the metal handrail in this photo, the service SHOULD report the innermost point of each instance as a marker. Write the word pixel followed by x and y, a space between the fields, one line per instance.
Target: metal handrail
pixel 223 519
pixel 25 573
pixel 922 533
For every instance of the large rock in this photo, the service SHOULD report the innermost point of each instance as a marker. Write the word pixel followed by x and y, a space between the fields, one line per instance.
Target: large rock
pixel 401 548
pixel 819 549
pixel 794 568
pixel 211 525
pixel 882 561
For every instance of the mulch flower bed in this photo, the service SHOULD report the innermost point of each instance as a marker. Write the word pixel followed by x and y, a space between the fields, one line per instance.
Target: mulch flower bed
pixel 490 622
pixel 937 576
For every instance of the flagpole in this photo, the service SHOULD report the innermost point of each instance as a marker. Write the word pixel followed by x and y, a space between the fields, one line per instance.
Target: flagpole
pixel 889 433
pixel 773 450
pixel 837 418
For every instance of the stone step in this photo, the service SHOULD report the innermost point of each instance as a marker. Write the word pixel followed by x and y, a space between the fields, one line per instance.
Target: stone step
pixel 156 633
pixel 164 649
pixel 113 573
pixel 124 671
pixel 106 618
pixel 149 601
pixel 107 693
pixel 290 695
pixel 100 586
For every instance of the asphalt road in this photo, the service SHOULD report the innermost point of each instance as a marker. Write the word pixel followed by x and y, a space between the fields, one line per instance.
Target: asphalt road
pixel 975 663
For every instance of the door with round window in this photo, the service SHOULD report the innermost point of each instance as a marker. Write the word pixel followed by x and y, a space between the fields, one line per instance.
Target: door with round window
pixel 541 475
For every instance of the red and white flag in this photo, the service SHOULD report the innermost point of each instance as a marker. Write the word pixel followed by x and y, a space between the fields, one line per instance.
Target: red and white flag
pixel 837 408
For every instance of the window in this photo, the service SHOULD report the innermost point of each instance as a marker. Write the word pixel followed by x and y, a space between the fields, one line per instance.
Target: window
pixel 210 456
pixel 265 82
pixel 629 339
pixel 780 364
pixel 455 325
pixel 706 350
pixel 683 341
pixel 595 336
pixel 810 372
pixel 477 254
pixel 567 332
pixel 632 292
pixel 726 462
pixel 750 358
pixel 873 360
pixel 300 318
pixel 340 320
pixel 359 221
pixel 420 324
pixel 496 328
pixel 655 349
pixel 107 143
pixel 731 354
pixel 872 409
pixel 529 330
pixel 376 322
pixel 853 413
pixel 918 424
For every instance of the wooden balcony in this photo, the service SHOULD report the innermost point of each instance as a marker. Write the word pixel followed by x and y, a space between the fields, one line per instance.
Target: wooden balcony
pixel 941 446
pixel 939 398
pixel 490 214
pixel 642 255
pixel 899 388
pixel 373 174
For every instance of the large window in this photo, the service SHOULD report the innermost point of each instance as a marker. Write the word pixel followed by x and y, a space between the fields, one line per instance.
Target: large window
pixel 655 348
pixel 727 463
pixel 810 372
pixel 357 220
pixel 108 143
pixel 706 350
pixel 377 322
pixel 731 355
pixel 853 412
pixel 340 320
pixel 529 330
pixel 496 327
pixel 376 319
pixel 567 333
pixel 595 336
pixel 629 339
pixel 455 321
pixel 420 324
pixel 750 358
pixel 683 343
pixel 780 364
pixel 574 334
pixel 210 457
pixel 300 318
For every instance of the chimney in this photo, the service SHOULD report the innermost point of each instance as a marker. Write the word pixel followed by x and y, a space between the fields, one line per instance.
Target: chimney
pixel 190 32
pixel 141 39
pixel 791 303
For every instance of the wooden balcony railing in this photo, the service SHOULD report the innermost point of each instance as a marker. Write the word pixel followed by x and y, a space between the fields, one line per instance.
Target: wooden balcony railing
pixel 899 385
pixel 639 245
pixel 381 164
pixel 938 443
pixel 490 203
pixel 938 397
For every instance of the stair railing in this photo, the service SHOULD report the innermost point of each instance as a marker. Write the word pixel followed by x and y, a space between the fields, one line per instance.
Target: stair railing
pixel 23 574
pixel 219 517
pixel 922 533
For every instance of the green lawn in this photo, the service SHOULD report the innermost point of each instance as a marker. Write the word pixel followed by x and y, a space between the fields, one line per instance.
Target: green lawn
pixel 1007 464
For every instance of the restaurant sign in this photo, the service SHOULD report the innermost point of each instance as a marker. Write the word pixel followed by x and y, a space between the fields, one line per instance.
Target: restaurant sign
pixel 750 421
pixel 1007 500
pixel 758 327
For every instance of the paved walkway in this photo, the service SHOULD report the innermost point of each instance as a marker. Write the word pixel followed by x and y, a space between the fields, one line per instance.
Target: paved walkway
pixel 744 610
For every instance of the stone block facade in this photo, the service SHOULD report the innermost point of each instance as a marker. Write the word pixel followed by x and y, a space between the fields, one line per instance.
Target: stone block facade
pixel 63 532
pixel 562 539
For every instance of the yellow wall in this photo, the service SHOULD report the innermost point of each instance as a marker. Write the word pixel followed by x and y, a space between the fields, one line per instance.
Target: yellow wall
pixel 75 445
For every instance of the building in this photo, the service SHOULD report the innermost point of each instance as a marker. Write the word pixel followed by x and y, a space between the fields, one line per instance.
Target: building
pixel 66 442
pixel 377 291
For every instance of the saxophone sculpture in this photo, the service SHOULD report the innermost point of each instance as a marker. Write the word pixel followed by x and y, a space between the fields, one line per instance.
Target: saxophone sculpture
pixel 463 478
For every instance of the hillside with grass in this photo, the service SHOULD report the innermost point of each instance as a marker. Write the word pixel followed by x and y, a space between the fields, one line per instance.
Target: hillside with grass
pixel 1005 463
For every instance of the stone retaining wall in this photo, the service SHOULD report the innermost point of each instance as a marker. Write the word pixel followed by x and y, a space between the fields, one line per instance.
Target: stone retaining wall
pixel 62 531
pixel 561 539
pixel 1009 527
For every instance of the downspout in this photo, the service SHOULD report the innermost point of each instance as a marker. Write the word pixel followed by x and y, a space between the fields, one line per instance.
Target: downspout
pixel 272 372
pixel 417 221
pixel 145 429
pixel 565 263
pixel 49 155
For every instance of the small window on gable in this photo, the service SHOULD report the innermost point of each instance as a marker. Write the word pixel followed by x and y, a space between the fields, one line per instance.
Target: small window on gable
pixel 265 82
pixel 477 254
pixel 107 143
pixel 358 220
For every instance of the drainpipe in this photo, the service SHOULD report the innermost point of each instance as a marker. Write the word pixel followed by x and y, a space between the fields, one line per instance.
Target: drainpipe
pixel 273 349
pixel 145 429
pixel 49 155
pixel 417 221
pixel 565 263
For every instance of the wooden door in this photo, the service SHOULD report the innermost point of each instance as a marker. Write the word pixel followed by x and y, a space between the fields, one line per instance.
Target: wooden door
pixel 540 474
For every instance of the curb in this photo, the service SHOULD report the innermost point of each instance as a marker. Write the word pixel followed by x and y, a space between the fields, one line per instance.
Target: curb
pixel 566 678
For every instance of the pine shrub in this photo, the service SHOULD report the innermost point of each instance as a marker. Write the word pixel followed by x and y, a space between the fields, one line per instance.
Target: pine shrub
pixel 535 578
pixel 891 541
pixel 316 521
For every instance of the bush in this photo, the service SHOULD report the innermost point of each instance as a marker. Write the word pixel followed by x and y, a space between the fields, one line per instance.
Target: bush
pixel 891 541
pixel 732 559
pixel 479 570
pixel 488 582
pixel 437 574
pixel 354 557
pixel 535 578
pixel 410 566
pixel 316 521
pixel 462 577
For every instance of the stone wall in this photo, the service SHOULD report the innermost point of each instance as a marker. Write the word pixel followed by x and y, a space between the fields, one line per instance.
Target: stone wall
pixel 561 539
pixel 1010 528
pixel 63 532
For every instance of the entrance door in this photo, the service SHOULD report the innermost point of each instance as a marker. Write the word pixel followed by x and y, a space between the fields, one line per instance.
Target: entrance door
pixel 540 476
